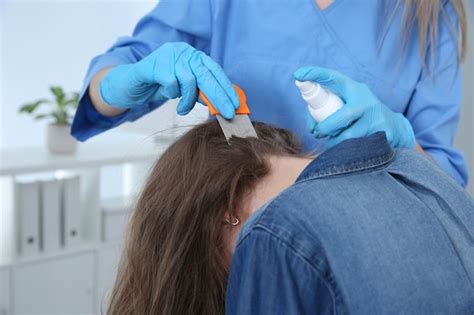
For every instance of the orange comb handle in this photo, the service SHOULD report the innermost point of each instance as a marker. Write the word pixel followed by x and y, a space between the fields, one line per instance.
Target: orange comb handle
pixel 242 110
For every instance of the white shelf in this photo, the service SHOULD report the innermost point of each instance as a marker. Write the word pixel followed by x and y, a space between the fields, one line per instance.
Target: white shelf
pixel 94 262
pixel 64 252
pixel 115 149
pixel 118 204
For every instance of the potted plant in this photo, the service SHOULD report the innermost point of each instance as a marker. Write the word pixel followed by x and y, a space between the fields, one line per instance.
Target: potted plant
pixel 60 110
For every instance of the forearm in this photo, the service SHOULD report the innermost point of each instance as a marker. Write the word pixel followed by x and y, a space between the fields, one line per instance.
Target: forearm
pixel 420 149
pixel 94 93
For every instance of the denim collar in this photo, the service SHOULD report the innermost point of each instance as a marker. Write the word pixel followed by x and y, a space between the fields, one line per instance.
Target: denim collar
pixel 350 156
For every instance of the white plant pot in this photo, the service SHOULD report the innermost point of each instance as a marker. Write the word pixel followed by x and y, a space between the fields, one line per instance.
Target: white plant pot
pixel 59 139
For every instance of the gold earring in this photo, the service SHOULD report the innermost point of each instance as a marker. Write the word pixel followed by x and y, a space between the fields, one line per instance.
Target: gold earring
pixel 232 221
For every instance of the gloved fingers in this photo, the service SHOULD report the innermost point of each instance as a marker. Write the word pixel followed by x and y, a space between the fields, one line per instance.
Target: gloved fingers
pixel 187 101
pixel 407 136
pixel 339 121
pixel 397 129
pixel 335 81
pixel 169 90
pixel 144 71
pixel 409 142
pixel 114 86
pixel 157 96
pixel 222 78
pixel 357 130
pixel 168 83
pixel 208 84
pixel 310 122
pixel 158 69
pixel 188 90
pixel 391 136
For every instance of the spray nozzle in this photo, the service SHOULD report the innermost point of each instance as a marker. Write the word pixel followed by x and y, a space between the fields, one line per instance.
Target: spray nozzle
pixel 321 103
pixel 314 91
pixel 304 86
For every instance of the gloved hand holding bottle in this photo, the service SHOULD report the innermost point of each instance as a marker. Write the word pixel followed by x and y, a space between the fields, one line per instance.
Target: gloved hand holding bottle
pixel 361 115
pixel 173 70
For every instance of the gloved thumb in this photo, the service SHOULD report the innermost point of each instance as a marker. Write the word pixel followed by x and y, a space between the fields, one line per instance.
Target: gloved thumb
pixel 170 91
pixel 328 78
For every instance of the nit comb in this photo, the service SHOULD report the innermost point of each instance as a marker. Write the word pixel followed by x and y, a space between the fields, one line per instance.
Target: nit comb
pixel 240 125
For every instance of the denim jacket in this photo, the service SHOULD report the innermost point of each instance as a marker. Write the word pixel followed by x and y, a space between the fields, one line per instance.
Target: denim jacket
pixel 364 230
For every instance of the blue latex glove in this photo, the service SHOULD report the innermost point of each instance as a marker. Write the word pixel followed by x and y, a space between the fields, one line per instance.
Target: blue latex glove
pixel 362 114
pixel 171 71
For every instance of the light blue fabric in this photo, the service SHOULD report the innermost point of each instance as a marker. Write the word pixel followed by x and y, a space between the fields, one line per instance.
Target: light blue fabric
pixel 260 44
pixel 364 230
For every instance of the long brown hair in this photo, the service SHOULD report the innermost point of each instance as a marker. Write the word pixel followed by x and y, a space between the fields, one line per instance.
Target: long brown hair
pixel 176 259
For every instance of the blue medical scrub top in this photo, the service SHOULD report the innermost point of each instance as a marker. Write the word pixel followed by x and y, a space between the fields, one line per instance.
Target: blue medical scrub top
pixel 260 44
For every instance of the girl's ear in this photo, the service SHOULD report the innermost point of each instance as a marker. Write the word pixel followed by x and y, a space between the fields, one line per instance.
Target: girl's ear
pixel 231 219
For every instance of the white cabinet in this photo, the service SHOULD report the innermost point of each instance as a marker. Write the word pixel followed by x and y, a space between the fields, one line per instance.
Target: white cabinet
pixel 71 279
pixel 63 285
pixel 108 262
pixel 4 291
pixel 115 216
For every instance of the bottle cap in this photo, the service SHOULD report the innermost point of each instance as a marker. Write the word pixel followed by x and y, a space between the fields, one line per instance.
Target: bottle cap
pixel 305 87
pixel 313 93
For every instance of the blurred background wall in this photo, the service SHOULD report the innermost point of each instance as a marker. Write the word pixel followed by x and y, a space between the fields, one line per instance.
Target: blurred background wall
pixel 52 42
pixel 465 138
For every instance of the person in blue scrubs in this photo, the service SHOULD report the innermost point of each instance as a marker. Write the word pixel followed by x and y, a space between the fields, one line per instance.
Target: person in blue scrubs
pixel 353 47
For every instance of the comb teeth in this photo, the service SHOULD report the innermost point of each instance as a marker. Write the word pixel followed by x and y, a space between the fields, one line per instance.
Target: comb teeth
pixel 239 126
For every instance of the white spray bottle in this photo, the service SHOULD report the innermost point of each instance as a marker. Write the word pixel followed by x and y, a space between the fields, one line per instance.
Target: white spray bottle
pixel 321 103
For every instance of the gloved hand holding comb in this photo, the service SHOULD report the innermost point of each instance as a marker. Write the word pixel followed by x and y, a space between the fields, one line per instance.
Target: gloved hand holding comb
pixel 173 70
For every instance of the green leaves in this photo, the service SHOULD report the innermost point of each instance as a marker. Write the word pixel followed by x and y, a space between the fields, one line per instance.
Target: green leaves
pixel 31 107
pixel 40 116
pixel 58 94
pixel 62 106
